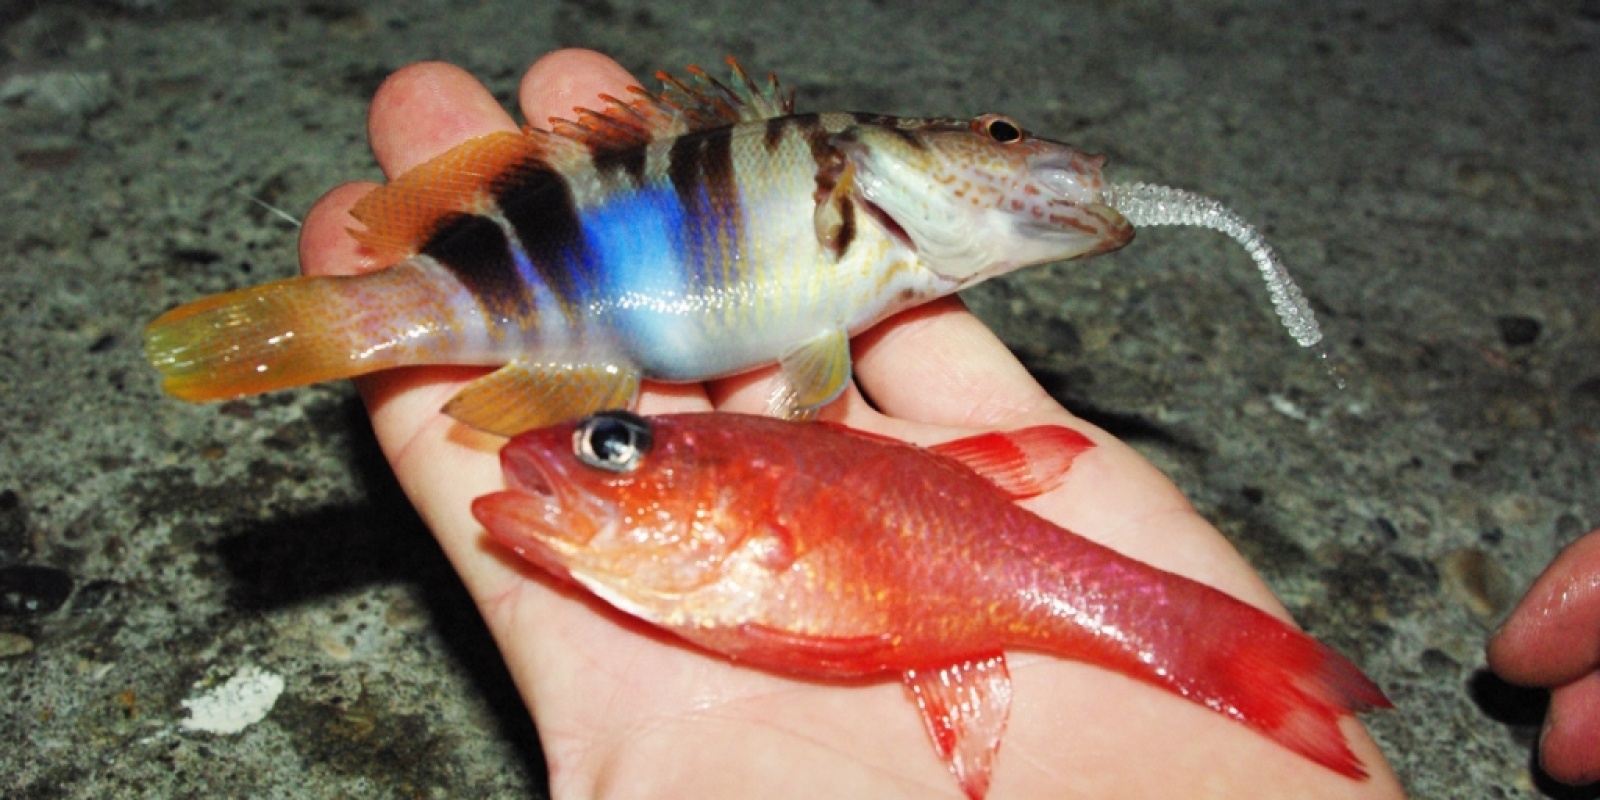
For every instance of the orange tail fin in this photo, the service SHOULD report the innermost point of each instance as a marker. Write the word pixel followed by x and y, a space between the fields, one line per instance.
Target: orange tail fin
pixel 288 333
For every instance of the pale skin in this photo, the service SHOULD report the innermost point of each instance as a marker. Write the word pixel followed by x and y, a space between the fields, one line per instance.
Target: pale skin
pixel 624 711
pixel 1552 640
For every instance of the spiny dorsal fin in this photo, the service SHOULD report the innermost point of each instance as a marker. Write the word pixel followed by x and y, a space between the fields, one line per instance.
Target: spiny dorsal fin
pixel 697 103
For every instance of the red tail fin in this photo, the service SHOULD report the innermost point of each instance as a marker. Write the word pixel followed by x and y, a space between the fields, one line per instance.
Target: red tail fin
pixel 1212 649
pixel 1290 687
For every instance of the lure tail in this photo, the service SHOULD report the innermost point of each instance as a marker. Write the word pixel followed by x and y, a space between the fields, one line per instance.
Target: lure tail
pixel 1147 204
pixel 288 333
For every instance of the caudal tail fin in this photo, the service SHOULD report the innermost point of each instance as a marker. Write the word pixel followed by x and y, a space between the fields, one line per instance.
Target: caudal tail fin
pixel 1288 686
pixel 288 333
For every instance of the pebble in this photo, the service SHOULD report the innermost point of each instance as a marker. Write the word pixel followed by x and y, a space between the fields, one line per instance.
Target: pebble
pixel 1475 579
pixel 14 644
pixel 1517 330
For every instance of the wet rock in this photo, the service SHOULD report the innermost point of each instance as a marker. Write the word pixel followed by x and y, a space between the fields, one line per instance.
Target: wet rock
pixel 57 93
pixel 14 644
pixel 13 529
pixel 27 590
pixel 1517 330
pixel 1479 583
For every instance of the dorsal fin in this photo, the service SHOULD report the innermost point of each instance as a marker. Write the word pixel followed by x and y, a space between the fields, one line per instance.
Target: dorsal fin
pixel 1022 463
pixel 403 213
pixel 697 103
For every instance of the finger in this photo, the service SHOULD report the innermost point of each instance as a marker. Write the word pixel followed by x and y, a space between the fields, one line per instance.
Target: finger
pixel 419 112
pixel 570 79
pixel 1568 747
pixel 425 109
pixel 1553 635
pixel 326 247
pixel 938 363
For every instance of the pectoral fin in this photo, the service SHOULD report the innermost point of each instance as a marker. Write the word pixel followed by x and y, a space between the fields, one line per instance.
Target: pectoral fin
pixel 1023 463
pixel 524 395
pixel 965 707
pixel 811 376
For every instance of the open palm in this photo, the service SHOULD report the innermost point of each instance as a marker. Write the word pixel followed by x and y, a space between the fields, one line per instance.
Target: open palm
pixel 623 710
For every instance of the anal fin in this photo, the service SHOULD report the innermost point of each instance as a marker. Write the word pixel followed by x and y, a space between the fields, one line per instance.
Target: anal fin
pixel 524 395
pixel 812 375
pixel 965 707
pixel 1022 463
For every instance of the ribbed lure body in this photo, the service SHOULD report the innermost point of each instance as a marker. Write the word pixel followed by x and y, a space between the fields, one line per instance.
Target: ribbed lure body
pixel 684 236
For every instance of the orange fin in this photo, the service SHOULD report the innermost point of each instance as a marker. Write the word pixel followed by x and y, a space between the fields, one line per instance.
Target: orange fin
pixel 965 707
pixel 697 103
pixel 400 215
pixel 1023 463
pixel 524 395
pixel 273 336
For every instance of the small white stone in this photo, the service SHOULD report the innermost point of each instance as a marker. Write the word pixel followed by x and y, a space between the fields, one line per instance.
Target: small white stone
pixel 242 701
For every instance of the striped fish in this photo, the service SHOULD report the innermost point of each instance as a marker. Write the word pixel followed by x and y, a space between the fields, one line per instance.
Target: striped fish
pixel 681 236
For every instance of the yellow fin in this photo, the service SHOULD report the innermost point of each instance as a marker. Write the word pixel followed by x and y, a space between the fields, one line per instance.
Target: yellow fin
pixel 273 336
pixel 524 395
pixel 812 375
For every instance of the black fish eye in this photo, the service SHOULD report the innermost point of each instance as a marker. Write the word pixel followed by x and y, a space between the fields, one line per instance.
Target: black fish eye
pixel 614 441
pixel 998 128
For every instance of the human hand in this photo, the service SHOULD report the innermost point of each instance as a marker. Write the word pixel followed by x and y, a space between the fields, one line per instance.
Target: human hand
pixel 1552 639
pixel 623 709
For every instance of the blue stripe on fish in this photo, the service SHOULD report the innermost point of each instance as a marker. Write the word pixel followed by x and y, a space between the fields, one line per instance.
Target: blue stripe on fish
pixel 639 237
pixel 632 250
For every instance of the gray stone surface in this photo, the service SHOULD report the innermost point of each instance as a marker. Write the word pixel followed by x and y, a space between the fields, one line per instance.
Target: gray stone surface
pixel 1429 169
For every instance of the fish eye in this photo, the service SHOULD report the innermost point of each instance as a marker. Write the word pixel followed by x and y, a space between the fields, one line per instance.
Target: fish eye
pixel 998 127
pixel 614 441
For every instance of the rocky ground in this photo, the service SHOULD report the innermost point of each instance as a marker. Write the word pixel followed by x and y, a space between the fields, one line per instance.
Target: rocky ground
pixel 234 599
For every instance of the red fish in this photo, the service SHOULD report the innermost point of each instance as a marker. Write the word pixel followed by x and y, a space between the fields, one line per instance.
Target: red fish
pixel 821 552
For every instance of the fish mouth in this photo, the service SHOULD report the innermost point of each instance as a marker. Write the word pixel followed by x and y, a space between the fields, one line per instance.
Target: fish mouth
pixel 1115 230
pixel 543 514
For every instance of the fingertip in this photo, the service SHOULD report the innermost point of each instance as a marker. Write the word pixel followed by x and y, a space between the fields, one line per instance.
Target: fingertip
pixel 1553 635
pixel 326 247
pixel 567 79
pixel 424 109
pixel 1567 747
